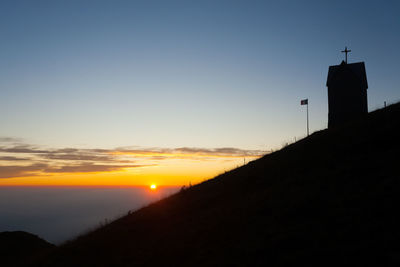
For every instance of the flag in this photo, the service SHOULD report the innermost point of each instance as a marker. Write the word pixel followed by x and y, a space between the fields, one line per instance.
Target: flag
pixel 304 102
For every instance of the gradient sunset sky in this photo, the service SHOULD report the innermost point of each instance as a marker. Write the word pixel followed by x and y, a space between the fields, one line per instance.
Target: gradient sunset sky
pixel 174 92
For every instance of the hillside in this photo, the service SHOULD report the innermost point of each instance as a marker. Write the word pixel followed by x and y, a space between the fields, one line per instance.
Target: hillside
pixel 329 200
pixel 17 245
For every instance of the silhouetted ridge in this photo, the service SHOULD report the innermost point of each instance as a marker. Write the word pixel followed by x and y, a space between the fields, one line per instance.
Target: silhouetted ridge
pixel 18 246
pixel 328 200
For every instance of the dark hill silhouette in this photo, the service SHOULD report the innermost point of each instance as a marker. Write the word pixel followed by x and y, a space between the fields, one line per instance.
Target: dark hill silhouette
pixel 328 200
pixel 18 245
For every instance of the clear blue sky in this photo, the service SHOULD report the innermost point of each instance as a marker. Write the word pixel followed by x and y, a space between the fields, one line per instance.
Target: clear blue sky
pixel 184 73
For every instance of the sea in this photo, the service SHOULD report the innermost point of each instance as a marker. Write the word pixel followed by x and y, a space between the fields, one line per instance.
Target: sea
pixel 58 214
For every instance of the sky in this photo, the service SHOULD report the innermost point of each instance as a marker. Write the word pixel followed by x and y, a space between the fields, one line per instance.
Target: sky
pixel 174 92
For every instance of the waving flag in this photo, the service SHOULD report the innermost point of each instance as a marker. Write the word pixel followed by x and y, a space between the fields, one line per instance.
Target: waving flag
pixel 304 102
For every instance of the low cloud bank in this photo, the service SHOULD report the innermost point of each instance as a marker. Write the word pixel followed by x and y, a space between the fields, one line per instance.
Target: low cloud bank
pixel 18 159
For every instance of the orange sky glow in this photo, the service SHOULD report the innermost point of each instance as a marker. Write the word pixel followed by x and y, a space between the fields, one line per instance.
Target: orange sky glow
pixel 26 165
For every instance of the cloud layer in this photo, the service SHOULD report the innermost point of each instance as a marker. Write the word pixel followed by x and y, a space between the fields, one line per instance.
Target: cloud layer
pixel 21 160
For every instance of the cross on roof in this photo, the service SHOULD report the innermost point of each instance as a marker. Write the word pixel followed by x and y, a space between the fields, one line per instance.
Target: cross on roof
pixel 346 51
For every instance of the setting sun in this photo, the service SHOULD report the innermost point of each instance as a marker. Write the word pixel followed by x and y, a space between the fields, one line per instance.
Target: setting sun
pixel 153 187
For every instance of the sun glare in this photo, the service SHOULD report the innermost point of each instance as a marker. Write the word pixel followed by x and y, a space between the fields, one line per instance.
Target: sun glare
pixel 153 186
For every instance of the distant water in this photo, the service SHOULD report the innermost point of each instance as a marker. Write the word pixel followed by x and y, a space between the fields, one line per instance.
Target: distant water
pixel 61 213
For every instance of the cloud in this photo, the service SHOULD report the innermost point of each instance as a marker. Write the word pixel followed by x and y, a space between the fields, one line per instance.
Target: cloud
pixel 191 153
pixel 73 154
pixel 21 171
pixel 67 150
pixel 40 169
pixel 77 160
pixel 10 140
pixel 22 149
pixel 223 152
pixel 89 167
pixel 8 158
pixel 77 157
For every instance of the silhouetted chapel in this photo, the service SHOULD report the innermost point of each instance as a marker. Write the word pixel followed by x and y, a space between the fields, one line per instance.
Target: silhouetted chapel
pixel 347 92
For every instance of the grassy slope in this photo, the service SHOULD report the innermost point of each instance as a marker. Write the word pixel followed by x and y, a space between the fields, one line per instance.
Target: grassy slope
pixel 17 245
pixel 328 199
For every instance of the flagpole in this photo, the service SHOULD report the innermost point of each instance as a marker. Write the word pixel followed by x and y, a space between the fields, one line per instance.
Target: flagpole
pixel 308 129
pixel 305 102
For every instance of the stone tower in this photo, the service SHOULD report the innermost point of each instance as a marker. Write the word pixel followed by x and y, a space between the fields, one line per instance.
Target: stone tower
pixel 347 92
